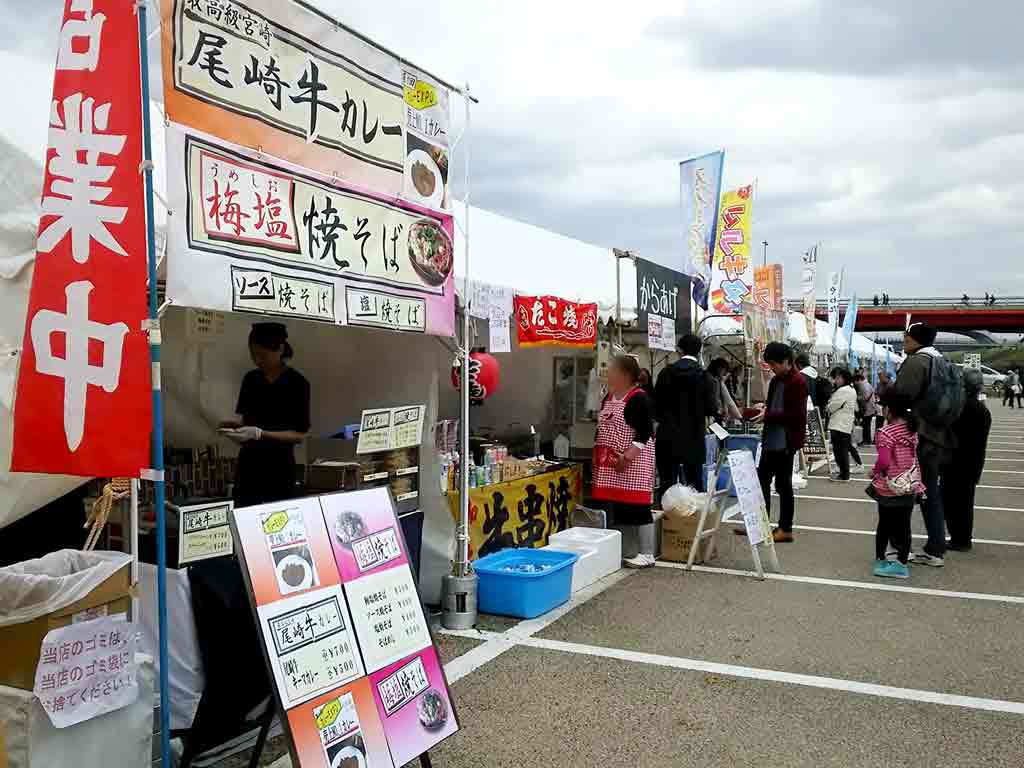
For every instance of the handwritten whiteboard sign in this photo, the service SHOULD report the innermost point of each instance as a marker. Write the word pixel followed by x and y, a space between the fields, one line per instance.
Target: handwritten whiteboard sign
pixel 749 496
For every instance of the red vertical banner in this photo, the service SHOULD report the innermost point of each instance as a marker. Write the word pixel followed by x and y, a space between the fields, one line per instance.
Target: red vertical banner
pixel 551 321
pixel 83 402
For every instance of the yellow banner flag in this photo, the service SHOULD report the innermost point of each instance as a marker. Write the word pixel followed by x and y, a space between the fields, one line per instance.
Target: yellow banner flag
pixel 732 271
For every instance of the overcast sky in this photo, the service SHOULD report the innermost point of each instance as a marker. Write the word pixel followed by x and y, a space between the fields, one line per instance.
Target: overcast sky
pixel 890 131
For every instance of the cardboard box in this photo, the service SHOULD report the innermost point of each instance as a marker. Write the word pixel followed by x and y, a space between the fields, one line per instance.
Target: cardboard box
pixel 677 533
pixel 21 643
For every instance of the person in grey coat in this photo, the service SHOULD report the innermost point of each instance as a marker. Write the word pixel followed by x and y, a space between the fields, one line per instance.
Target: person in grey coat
pixel 935 444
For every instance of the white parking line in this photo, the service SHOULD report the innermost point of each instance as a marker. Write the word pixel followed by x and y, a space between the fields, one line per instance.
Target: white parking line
pixel 986 487
pixel 496 644
pixel 825 529
pixel 778 676
pixel 868 585
pixel 872 501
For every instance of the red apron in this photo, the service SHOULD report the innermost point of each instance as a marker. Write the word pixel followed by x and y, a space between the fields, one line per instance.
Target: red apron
pixel 635 484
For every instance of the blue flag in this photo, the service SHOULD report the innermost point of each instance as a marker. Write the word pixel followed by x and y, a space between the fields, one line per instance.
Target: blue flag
pixel 700 192
pixel 850 322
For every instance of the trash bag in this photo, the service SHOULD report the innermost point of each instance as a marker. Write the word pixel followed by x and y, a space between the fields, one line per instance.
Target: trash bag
pixel 35 588
pixel 682 500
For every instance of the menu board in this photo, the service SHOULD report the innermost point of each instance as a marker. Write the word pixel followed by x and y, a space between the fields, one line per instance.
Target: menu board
pixel 344 633
pixel 814 441
pixel 387 429
pixel 204 531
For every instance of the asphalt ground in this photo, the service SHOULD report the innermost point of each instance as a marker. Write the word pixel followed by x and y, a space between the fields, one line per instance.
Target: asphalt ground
pixel 820 665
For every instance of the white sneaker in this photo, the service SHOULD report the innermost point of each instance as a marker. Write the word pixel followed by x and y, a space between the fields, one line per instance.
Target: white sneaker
pixel 857 469
pixel 640 561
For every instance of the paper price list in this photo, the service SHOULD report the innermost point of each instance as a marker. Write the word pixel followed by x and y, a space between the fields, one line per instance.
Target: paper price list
pixel 314 649
pixel 388 618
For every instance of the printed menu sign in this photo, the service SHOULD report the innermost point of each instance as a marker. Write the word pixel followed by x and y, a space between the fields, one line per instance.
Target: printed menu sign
pixel 344 634
pixel 310 644
pixel 414 705
pixel 387 616
pixel 387 429
pixel 204 532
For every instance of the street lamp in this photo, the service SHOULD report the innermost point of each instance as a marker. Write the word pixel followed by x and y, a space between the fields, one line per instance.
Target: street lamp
pixel 765 262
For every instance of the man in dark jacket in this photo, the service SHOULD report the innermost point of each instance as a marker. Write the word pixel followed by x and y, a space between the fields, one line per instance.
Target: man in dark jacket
pixel 684 398
pixel 935 443
pixel 785 427
pixel 960 477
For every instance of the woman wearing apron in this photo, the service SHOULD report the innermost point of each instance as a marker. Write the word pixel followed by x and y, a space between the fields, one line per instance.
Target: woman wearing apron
pixel 624 457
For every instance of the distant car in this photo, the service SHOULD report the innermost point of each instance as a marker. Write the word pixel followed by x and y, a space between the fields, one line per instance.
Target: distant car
pixel 991 376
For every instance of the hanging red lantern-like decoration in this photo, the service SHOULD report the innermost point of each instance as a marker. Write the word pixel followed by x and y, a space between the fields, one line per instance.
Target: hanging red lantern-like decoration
pixel 484 376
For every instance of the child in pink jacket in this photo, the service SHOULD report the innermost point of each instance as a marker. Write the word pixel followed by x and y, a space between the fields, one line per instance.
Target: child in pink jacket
pixel 895 485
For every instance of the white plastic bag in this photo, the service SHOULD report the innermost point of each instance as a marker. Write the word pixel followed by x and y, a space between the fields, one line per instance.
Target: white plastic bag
pixel 35 588
pixel 682 500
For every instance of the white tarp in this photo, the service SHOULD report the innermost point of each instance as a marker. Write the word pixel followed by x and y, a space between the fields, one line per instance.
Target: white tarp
pixel 535 261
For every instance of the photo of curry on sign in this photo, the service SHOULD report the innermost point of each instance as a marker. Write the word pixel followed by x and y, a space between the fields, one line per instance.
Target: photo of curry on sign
pixel 551 321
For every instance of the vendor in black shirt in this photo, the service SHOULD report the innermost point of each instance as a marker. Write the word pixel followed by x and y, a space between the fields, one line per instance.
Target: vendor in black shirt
pixel 272 416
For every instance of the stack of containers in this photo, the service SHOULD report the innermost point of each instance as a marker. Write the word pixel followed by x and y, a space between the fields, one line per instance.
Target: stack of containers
pixel 599 551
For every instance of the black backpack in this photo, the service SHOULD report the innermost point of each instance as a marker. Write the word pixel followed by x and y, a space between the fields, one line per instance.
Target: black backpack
pixel 942 401
pixel 822 392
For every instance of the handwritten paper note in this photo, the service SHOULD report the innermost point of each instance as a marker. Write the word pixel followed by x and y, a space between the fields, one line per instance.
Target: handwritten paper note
pixel 749 496
pixel 86 670
pixel 500 331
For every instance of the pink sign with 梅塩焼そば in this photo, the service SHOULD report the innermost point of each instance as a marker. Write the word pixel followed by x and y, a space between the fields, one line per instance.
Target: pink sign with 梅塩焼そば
pixel 364 531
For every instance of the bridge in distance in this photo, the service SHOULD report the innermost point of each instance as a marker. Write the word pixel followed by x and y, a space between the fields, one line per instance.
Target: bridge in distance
pixel 970 318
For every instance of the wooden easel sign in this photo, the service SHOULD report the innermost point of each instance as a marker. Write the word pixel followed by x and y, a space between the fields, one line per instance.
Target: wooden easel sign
pixel 751 506
pixel 816 449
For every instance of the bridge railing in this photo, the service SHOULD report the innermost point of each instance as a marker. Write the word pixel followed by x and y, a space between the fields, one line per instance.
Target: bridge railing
pixel 908 304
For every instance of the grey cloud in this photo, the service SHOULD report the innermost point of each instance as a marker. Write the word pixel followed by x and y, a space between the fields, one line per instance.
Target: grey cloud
pixel 867 37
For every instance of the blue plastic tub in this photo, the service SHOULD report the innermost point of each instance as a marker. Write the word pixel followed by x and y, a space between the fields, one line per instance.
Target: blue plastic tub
pixel 524 583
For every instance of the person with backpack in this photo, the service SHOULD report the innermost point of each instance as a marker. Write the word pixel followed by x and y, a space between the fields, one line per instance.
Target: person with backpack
pixel 895 485
pixel 960 477
pixel 935 390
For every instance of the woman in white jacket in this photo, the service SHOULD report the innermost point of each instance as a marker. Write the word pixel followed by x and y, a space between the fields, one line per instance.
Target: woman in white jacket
pixel 842 408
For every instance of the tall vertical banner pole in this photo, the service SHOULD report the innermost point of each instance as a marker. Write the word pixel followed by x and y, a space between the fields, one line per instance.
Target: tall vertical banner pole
pixel 464 391
pixel 158 411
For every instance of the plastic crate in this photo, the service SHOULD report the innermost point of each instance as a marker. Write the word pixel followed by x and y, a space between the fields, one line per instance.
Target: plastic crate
pixel 519 594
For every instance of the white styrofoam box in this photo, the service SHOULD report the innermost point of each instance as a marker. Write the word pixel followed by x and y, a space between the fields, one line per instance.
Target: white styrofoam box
pixel 608 544
pixel 586 570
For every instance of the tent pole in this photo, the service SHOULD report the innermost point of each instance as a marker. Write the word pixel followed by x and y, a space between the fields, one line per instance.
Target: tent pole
pixel 462 554
pixel 158 416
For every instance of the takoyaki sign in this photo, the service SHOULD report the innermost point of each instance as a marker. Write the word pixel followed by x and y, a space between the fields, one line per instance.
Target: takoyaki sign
pixel 251 234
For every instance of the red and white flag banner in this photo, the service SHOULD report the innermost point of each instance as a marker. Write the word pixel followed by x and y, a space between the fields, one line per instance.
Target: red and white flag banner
pixel 83 402
pixel 551 321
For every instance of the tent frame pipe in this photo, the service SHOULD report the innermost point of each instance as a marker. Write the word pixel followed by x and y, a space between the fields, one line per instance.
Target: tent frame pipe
pixel 158 415
pixel 462 566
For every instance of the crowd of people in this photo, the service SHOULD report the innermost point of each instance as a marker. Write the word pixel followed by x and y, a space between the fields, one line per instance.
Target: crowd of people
pixel 930 427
